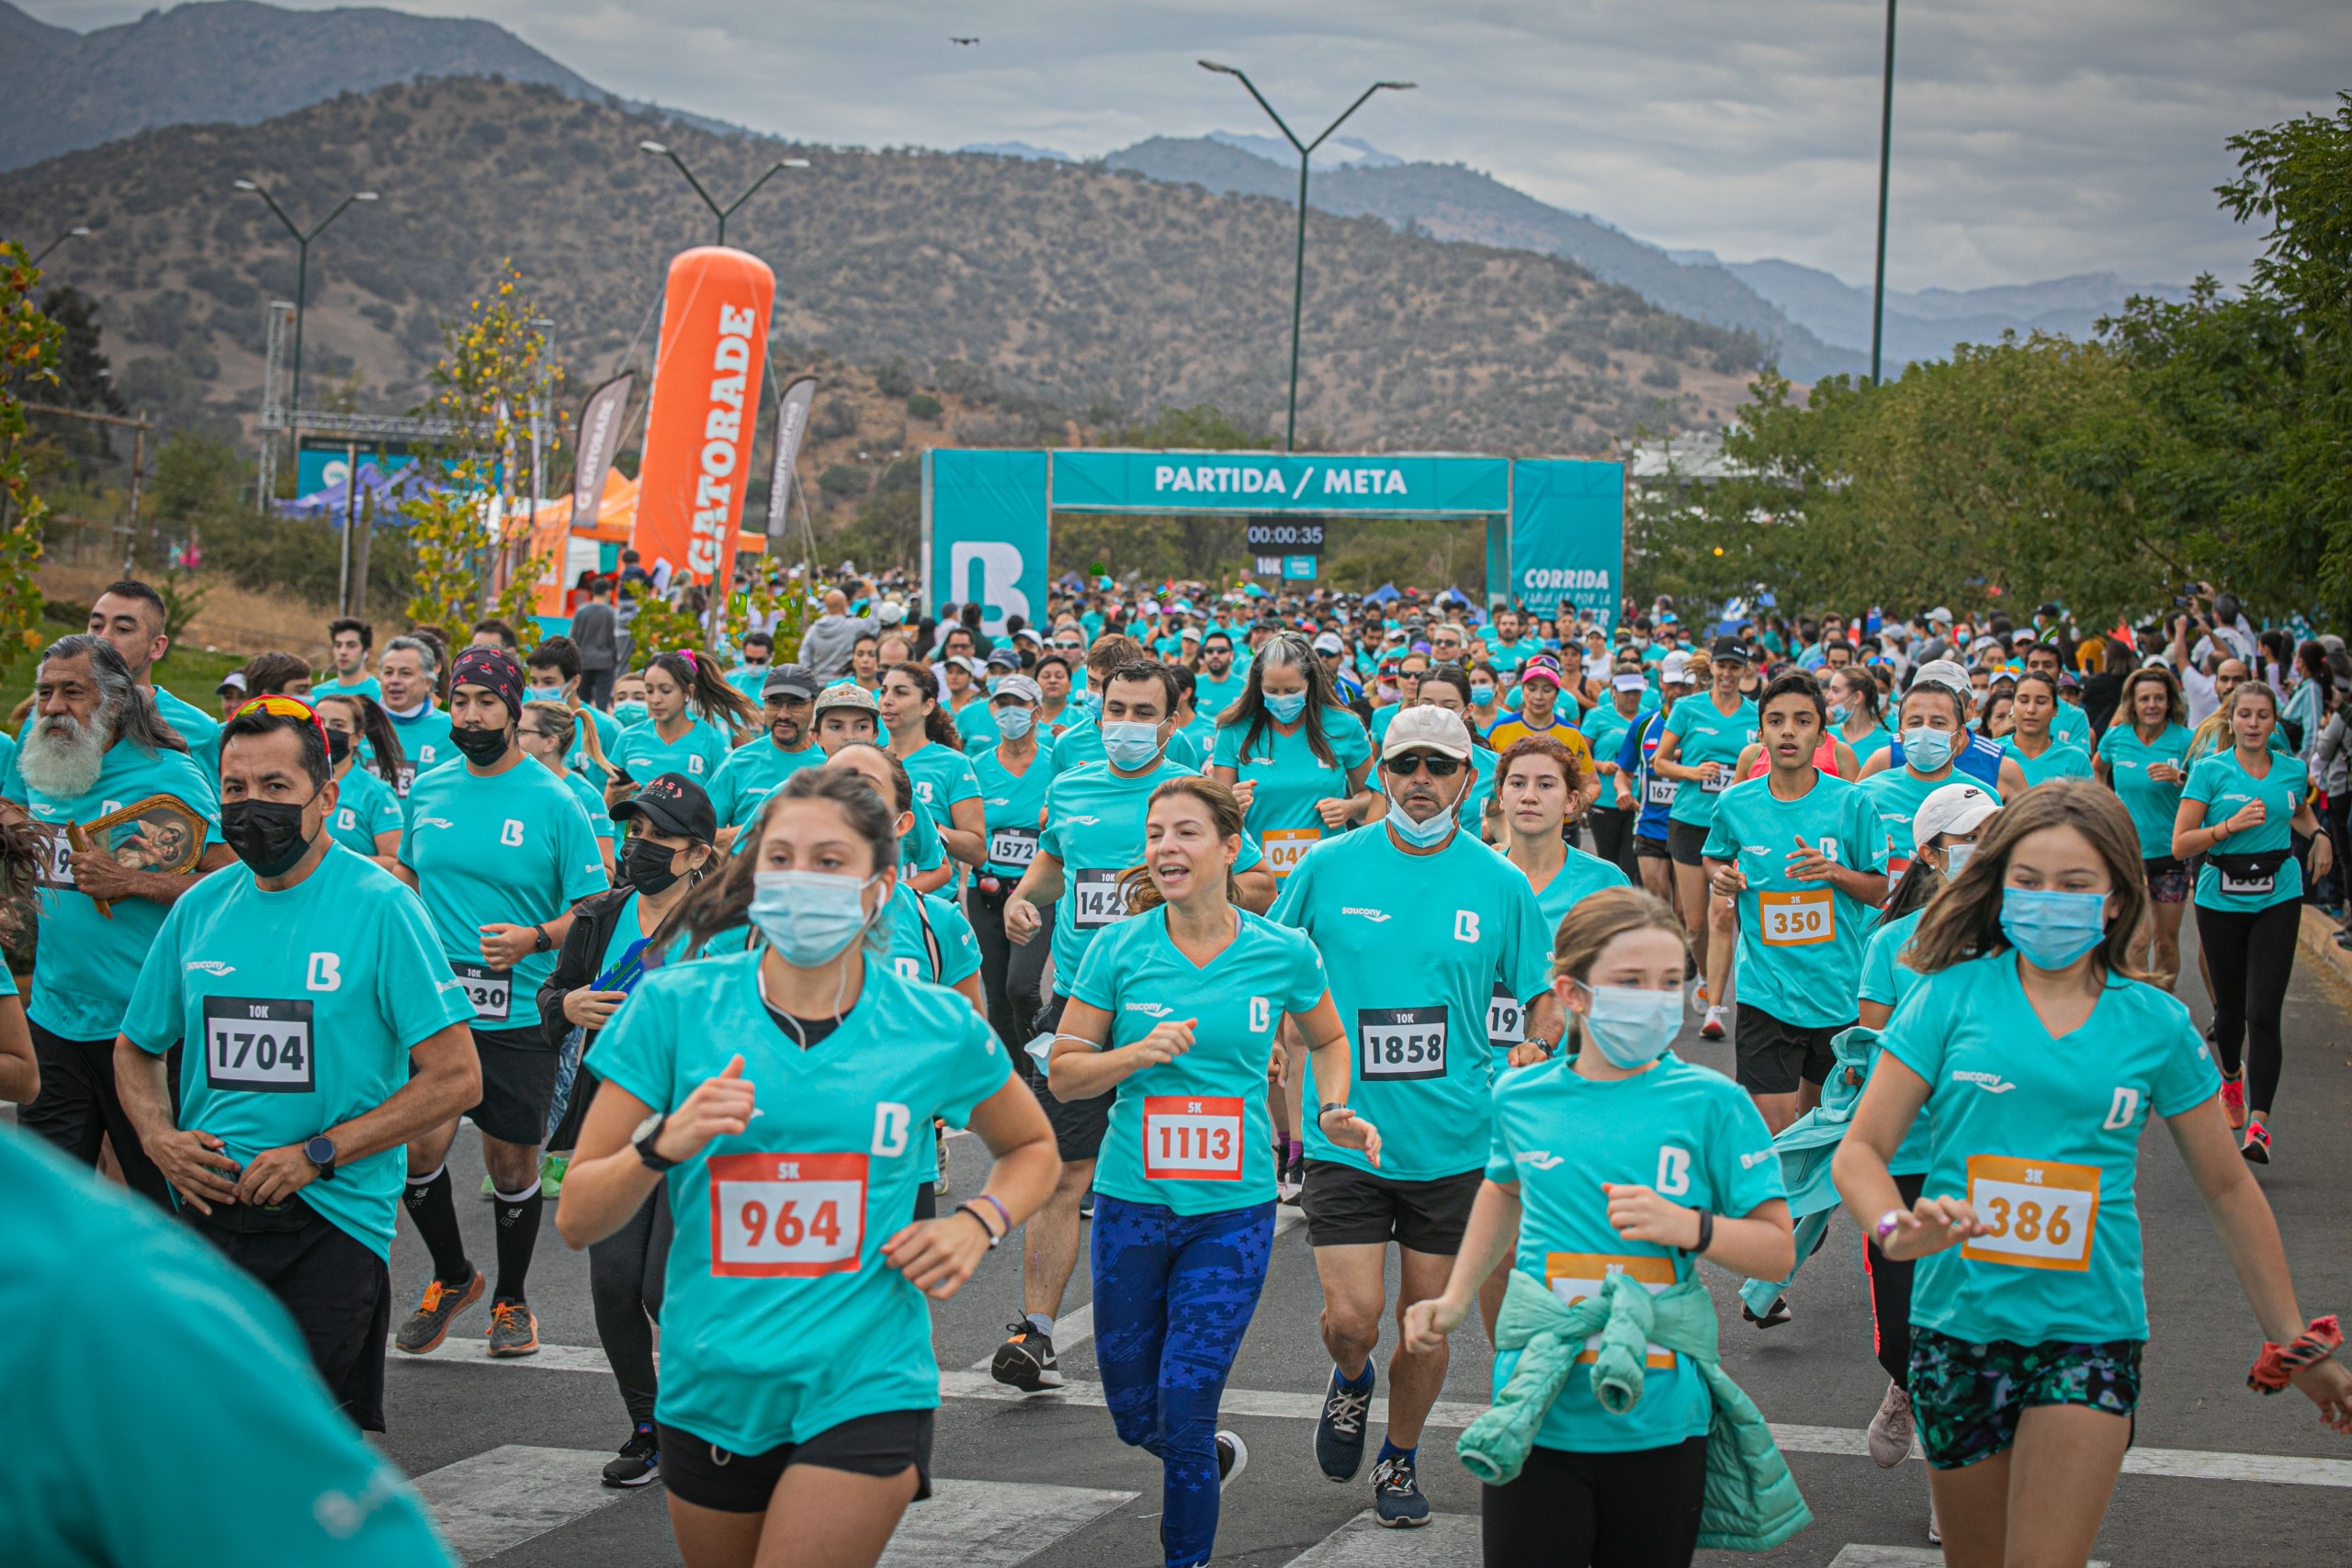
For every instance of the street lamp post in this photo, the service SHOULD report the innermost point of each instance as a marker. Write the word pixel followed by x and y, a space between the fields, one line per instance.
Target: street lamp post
pixel 1885 143
pixel 1298 281
pixel 721 213
pixel 301 286
pixel 79 232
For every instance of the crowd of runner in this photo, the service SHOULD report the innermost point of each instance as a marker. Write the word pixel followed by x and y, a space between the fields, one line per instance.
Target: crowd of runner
pixel 1189 906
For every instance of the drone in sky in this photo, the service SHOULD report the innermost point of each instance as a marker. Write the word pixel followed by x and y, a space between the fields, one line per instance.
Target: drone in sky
pixel 962 40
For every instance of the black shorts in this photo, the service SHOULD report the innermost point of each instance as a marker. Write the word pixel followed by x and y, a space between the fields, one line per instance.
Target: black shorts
pixel 1683 843
pixel 1079 1124
pixel 517 1085
pixel 1347 1207
pixel 698 1471
pixel 335 1286
pixel 1773 1056
pixel 1647 848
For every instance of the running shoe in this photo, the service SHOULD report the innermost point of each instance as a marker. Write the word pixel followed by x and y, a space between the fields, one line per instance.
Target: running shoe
pixel 1025 1359
pixel 429 1324
pixel 551 1169
pixel 1712 1029
pixel 1935 1525
pixel 1232 1458
pixel 1086 1205
pixel 513 1329
pixel 1891 1428
pixel 939 1184
pixel 2256 1148
pixel 2233 1100
pixel 1339 1431
pixel 1774 1316
pixel 1699 995
pixel 489 1188
pixel 637 1462
pixel 1396 1498
pixel 1291 1184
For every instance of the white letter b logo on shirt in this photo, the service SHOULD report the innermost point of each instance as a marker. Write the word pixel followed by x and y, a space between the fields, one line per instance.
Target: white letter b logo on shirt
pixel 1261 1014
pixel 1673 1171
pixel 2120 1114
pixel 890 1122
pixel 511 832
pixel 326 973
pixel 1465 925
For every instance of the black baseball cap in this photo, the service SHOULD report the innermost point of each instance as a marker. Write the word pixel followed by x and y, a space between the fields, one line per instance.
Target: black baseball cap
pixel 672 803
pixel 1732 647
pixel 795 681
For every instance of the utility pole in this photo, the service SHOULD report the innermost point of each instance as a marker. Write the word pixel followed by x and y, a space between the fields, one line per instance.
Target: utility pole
pixel 1885 146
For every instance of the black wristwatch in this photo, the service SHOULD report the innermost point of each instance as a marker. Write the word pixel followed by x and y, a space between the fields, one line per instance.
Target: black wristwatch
pixel 648 1131
pixel 540 940
pixel 319 1151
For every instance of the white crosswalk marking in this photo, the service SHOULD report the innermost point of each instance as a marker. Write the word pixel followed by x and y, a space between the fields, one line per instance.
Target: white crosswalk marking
pixel 993 1524
pixel 1448 1541
pixel 1857 1556
pixel 506 1495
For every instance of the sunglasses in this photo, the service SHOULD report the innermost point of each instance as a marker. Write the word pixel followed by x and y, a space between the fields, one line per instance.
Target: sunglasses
pixel 282 707
pixel 1440 765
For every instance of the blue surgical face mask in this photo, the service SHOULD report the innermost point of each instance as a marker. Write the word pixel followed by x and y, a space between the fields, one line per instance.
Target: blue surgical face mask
pixel 1956 856
pixel 1286 708
pixel 1927 750
pixel 1420 835
pixel 1130 747
pixel 1839 713
pixel 1633 1026
pixel 1481 696
pixel 810 917
pixel 629 714
pixel 1013 723
pixel 2051 929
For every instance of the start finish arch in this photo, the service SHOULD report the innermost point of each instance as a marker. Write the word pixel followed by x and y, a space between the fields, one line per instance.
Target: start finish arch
pixel 1555 527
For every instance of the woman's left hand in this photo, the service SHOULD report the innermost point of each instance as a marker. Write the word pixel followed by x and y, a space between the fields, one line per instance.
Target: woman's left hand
pixel 938 1255
pixel 2322 856
pixel 1349 1131
pixel 1333 809
pixel 1640 1215
pixel 2328 1384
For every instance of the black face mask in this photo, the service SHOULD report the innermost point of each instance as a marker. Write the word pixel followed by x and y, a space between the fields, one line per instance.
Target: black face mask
pixel 267 834
pixel 482 746
pixel 338 746
pixel 647 866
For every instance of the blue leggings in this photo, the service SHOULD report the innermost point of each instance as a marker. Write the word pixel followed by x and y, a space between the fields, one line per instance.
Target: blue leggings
pixel 1173 1294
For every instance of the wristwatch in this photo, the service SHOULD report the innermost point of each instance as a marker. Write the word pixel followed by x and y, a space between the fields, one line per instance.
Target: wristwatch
pixel 319 1151
pixel 540 940
pixel 643 1139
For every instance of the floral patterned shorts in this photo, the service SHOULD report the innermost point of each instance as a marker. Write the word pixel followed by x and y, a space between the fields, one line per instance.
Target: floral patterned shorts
pixel 1967 1398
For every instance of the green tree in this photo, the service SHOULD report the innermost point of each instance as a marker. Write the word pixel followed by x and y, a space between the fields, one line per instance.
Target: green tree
pixel 30 342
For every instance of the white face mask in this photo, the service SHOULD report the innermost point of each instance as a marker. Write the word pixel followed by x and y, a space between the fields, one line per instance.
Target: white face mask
pixel 1633 1026
pixel 1955 857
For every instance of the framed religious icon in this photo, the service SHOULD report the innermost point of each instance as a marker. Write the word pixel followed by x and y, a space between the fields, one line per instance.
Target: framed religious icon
pixel 162 833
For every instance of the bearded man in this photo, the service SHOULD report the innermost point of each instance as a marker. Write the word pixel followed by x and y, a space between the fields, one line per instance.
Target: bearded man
pixel 94 745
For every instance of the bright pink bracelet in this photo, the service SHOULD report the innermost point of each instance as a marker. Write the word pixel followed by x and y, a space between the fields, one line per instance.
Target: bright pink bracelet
pixel 2278 1364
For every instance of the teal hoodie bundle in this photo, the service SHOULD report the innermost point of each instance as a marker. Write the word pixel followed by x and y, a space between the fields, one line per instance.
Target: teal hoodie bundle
pixel 1751 1503
pixel 1806 1147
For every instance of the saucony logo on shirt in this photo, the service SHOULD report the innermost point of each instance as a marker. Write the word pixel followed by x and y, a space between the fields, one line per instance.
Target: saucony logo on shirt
pixel 211 966
pixel 1375 916
pixel 1750 1161
pixel 1085 821
pixel 434 822
pixel 1993 1083
pixel 1542 1159
pixel 1154 1009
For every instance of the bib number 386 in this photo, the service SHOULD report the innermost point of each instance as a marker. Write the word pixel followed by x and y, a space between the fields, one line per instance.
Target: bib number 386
pixel 2037 1214
pixel 1185 1139
pixel 786 1215
pixel 1394 1044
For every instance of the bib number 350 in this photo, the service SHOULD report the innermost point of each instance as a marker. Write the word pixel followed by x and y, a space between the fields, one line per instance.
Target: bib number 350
pixel 786 1215
pixel 2037 1214
pixel 1394 1044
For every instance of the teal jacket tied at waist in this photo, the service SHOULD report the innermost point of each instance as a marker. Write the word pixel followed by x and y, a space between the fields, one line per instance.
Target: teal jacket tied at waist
pixel 1752 1503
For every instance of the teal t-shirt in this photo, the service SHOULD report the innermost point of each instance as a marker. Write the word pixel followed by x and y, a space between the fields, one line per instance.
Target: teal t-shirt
pixel 1689 1134
pixel 2053 1166
pixel 2226 788
pixel 751 774
pixel 976 726
pixel 591 802
pixel 1014 804
pixel 1212 696
pixel 1471 811
pixel 1579 875
pixel 366 686
pixel 697 753
pixel 780 1318
pixel 1604 729
pixel 514 848
pixel 84 962
pixel 119 1316
pixel 1896 793
pixel 2059 759
pixel 1192 1133
pixel 300 1009
pixel 1887 981
pixel 1800 943
pixel 1094 825
pixel 1709 735
pixel 958 954
pixel 364 807
pixel 1289 779
pixel 2153 805
pixel 609 735
pixel 1878 739
pixel 1413 945
pixel 2071 725
pixel 200 729
pixel 425 743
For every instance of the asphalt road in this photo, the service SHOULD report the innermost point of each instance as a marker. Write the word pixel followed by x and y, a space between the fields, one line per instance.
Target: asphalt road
pixel 508 1452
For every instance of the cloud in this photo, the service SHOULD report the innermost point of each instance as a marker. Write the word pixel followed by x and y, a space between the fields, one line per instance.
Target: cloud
pixel 2030 141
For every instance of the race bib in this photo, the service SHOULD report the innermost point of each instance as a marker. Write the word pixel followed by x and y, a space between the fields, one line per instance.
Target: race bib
pixel 1190 1140
pixel 2040 1213
pixel 403 776
pixel 490 991
pixel 1285 847
pixel 1658 790
pixel 1717 784
pixel 1095 901
pixel 1805 918
pixel 1013 846
pixel 791 1215
pixel 51 869
pixel 1505 1020
pixel 2258 885
pixel 254 1045
pixel 1573 1276
pixel 1400 1044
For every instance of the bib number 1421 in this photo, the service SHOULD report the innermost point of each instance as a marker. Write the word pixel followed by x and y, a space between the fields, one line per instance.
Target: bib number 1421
pixel 786 1215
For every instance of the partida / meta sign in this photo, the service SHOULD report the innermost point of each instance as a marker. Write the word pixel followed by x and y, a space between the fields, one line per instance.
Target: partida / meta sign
pixel 1168 479
pixel 724 439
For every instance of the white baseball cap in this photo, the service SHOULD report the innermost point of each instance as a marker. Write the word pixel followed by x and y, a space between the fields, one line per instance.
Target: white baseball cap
pixel 1020 686
pixel 1947 673
pixel 1329 643
pixel 1674 669
pixel 1427 729
pixel 889 612
pixel 1629 681
pixel 1954 808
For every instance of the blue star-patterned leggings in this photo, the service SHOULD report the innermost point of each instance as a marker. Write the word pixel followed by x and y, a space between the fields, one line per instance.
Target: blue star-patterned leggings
pixel 1173 1294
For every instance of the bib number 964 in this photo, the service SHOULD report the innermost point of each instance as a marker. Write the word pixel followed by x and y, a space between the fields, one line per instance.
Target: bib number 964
pixel 786 1215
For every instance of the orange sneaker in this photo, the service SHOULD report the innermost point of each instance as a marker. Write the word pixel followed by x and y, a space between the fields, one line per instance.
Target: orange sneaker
pixel 513 1329
pixel 429 1324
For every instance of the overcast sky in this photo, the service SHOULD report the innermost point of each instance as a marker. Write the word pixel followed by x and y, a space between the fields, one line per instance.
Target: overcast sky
pixel 2032 139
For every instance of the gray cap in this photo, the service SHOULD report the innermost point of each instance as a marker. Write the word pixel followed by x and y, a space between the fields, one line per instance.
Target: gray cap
pixel 850 695
pixel 795 681
pixel 1944 673
pixel 1020 686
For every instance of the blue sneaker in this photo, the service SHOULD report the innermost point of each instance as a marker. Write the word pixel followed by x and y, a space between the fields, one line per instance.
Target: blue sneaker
pixel 1396 1494
pixel 1339 1431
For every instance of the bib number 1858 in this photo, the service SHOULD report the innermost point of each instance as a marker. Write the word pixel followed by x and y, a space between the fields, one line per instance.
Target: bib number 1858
pixel 1394 1044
